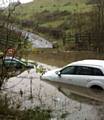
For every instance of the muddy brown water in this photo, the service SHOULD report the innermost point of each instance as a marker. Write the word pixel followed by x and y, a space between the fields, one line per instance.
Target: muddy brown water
pixel 61 58
pixel 82 95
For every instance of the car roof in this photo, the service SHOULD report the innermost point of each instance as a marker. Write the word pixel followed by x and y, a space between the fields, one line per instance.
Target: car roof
pixel 89 62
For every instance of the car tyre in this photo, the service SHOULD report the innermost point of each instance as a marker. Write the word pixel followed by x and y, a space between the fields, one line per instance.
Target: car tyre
pixel 96 88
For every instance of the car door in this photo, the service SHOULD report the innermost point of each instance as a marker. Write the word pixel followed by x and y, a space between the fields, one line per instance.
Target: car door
pixel 83 75
pixel 76 75
pixel 67 75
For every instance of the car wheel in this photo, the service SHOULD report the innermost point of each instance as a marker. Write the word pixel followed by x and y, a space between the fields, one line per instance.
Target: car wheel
pixel 96 88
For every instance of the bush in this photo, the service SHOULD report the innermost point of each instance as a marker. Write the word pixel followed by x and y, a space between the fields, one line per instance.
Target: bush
pixel 7 113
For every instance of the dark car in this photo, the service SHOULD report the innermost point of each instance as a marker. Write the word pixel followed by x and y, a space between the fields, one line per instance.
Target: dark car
pixel 10 62
pixel 13 66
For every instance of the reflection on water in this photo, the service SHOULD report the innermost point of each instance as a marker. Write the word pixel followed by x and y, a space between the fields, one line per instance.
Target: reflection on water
pixel 80 94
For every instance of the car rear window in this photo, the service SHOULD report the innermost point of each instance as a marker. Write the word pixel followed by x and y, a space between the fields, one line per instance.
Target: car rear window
pixel 84 70
pixel 97 72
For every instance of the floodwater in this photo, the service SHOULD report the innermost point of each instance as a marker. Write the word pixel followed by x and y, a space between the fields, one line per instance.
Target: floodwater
pixel 93 99
pixel 85 93
pixel 61 58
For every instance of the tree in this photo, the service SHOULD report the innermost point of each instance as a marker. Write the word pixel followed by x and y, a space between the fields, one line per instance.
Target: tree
pixel 93 28
pixel 98 25
pixel 8 38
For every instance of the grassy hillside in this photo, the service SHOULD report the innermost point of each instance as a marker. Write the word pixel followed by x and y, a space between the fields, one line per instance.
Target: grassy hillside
pixel 55 19
pixel 26 11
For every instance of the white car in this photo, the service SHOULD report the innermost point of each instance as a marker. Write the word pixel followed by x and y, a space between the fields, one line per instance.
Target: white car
pixel 85 73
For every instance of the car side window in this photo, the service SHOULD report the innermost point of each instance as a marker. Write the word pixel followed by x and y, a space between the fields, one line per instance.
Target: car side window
pixel 68 70
pixel 84 70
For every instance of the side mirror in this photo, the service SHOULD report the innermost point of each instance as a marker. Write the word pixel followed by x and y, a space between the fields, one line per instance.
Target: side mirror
pixel 58 73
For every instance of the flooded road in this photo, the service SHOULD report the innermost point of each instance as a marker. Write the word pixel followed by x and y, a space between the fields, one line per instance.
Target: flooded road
pixel 91 102
pixel 86 93
pixel 64 104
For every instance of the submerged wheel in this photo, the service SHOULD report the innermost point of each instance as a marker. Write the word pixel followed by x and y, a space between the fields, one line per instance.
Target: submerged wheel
pixel 96 87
